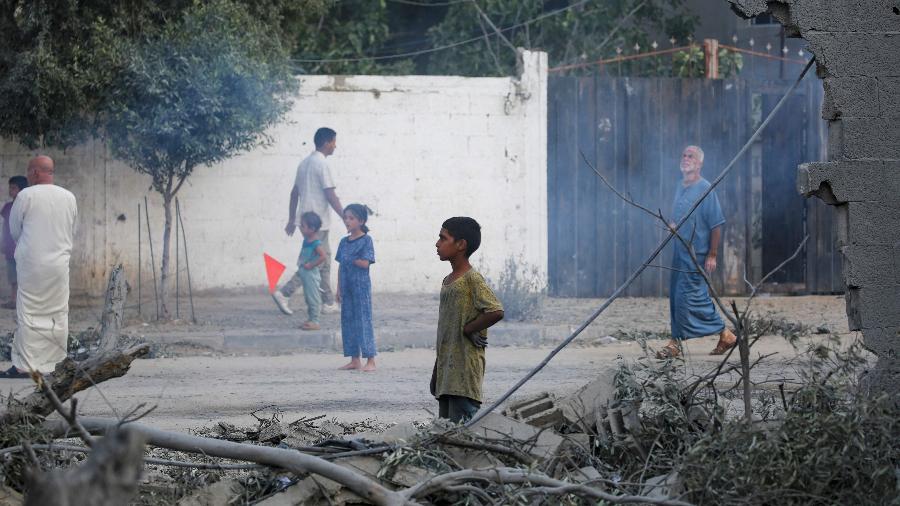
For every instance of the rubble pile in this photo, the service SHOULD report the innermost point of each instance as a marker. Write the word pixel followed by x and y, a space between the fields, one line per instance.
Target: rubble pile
pixel 543 434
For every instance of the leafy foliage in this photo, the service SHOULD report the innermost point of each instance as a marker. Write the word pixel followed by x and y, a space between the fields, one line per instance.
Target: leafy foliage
pixel 827 443
pixel 198 92
pixel 584 33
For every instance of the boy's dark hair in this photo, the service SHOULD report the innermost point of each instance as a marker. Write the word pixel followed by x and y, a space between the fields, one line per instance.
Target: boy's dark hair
pixel 21 182
pixel 312 220
pixel 323 136
pixel 463 227
pixel 362 214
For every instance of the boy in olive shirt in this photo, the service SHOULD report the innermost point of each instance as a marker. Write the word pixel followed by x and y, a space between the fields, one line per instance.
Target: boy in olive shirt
pixel 468 307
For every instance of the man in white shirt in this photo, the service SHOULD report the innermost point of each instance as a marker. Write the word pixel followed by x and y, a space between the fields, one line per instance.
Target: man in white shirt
pixel 314 191
pixel 42 222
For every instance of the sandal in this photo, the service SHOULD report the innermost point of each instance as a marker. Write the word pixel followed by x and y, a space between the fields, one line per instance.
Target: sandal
pixel 668 351
pixel 723 346
pixel 13 373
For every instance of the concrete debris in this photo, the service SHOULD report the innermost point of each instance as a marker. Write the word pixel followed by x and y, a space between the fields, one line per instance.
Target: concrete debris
pixel 473 459
pixel 308 491
pixel 217 494
pixel 585 475
pixel 498 428
pixel 583 408
pixel 663 487
pixel 540 411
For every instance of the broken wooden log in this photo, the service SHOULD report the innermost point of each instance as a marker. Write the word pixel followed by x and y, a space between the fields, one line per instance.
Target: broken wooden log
pixel 294 461
pixel 109 477
pixel 71 377
pixel 113 309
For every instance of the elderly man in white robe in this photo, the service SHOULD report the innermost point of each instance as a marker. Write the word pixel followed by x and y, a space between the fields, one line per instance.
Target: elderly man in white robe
pixel 42 222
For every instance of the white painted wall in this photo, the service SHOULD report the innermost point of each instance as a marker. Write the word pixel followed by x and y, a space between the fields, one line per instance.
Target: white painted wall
pixel 416 149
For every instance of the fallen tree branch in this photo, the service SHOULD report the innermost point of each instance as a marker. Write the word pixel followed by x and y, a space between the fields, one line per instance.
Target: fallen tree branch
pixel 69 416
pixel 71 377
pixel 547 486
pixel 147 460
pixel 294 461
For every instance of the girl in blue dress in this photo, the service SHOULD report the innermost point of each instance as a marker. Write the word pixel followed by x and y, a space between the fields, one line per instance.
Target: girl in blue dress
pixel 355 254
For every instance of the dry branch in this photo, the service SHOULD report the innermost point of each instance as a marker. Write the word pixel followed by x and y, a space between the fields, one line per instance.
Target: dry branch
pixel 71 377
pixel 294 461
pixel 545 484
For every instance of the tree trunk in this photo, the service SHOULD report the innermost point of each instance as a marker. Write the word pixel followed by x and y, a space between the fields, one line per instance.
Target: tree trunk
pixel 164 269
pixel 113 309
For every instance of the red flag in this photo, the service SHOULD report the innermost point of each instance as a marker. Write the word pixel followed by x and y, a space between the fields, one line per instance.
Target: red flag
pixel 274 268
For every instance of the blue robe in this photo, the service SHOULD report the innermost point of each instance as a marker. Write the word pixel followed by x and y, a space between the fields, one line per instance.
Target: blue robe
pixel 692 311
pixel 357 334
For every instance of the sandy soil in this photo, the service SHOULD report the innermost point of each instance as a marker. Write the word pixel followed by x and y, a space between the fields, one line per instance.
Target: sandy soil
pixel 192 391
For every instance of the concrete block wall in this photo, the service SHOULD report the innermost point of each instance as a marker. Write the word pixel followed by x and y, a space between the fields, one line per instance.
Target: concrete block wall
pixel 416 149
pixel 857 48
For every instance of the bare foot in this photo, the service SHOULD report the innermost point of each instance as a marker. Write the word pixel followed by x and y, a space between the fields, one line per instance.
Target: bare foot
pixel 353 365
pixel 370 365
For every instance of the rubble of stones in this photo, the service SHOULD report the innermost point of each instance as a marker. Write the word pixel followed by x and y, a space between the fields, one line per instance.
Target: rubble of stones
pixel 544 432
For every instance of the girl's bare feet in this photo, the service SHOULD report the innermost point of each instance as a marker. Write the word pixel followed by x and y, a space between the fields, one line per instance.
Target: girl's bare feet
pixel 353 365
pixel 370 365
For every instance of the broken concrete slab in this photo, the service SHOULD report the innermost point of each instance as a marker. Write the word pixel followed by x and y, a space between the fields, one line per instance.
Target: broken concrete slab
pixel 540 410
pixel 496 427
pixel 473 459
pixel 217 494
pixel 305 492
pixel 581 409
pixel 586 474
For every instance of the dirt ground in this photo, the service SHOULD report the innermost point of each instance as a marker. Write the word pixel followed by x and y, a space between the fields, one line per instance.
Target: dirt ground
pixel 200 385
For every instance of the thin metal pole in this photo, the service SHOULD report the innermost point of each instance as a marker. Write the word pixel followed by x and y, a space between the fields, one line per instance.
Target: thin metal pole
pixel 139 262
pixel 187 262
pixel 177 269
pixel 152 259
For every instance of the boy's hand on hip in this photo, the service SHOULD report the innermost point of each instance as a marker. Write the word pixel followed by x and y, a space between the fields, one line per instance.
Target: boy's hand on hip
pixel 477 339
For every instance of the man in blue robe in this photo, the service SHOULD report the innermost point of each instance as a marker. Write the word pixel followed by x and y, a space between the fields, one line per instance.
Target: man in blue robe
pixel 692 311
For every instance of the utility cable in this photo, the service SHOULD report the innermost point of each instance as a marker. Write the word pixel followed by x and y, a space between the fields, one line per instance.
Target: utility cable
pixel 621 289
pixel 439 48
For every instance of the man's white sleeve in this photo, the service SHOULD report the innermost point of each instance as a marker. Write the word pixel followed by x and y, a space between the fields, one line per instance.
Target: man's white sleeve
pixel 325 175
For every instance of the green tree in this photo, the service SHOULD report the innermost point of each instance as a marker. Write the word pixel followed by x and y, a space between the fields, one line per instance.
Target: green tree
pixel 352 32
pixel 198 92
pixel 586 32
pixel 58 60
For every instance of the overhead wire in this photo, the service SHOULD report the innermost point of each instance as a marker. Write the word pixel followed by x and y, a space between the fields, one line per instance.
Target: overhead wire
pixel 439 48
pixel 634 275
